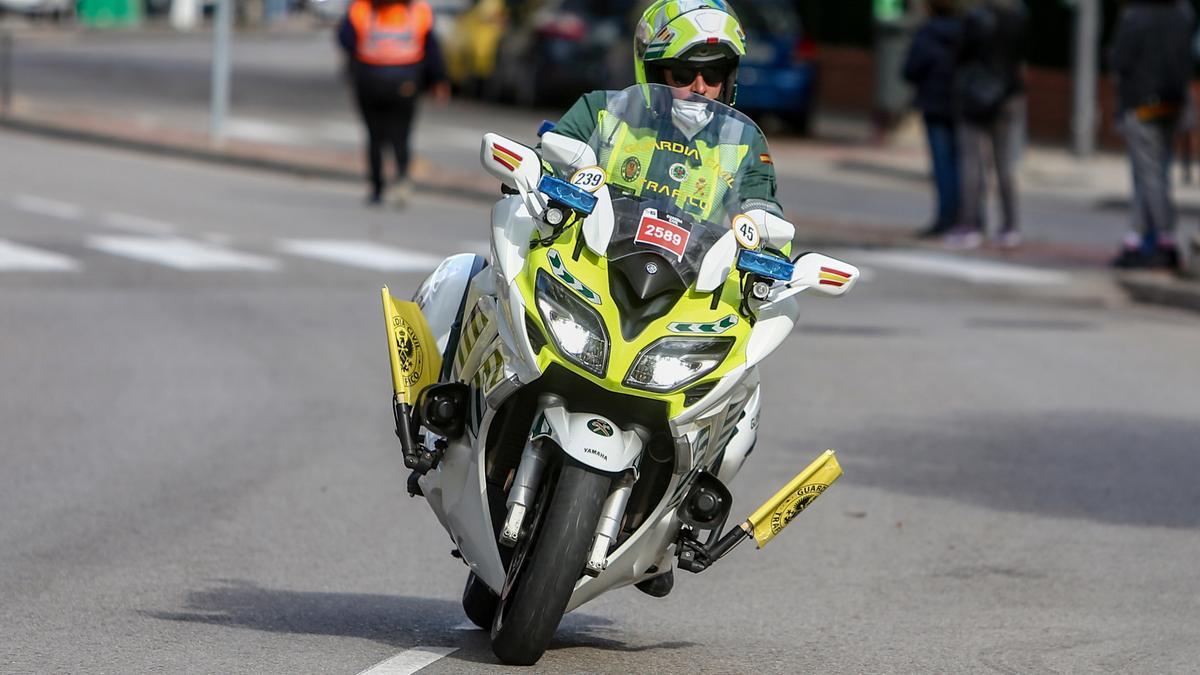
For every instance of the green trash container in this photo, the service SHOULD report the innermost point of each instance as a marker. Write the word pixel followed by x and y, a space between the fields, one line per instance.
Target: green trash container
pixel 109 13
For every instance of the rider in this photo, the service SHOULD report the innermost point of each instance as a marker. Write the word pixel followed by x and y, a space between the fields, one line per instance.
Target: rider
pixel 693 46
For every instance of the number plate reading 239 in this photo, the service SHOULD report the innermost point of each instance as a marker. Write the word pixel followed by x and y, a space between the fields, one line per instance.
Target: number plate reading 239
pixel 666 233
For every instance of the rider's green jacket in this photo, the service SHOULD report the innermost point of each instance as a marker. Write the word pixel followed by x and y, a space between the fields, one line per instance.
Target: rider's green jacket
pixel 655 166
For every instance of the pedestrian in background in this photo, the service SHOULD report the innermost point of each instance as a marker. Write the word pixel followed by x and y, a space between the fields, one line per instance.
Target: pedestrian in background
pixel 393 57
pixel 991 98
pixel 930 68
pixel 1152 60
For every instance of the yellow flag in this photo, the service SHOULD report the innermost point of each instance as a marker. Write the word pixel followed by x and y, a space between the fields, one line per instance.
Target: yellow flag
pixel 772 517
pixel 413 352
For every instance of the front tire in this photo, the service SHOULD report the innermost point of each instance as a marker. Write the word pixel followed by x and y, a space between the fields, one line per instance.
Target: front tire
pixel 548 561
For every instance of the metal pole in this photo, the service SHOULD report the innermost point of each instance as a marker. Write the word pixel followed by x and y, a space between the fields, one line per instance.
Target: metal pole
pixel 1087 47
pixel 222 30
pixel 6 53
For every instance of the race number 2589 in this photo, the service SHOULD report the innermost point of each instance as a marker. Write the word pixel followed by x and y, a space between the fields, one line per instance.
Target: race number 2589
pixel 663 234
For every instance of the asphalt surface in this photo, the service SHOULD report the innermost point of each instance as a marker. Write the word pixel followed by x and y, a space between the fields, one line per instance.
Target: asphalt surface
pixel 198 474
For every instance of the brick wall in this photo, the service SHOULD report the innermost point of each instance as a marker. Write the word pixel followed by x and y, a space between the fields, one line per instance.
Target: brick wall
pixel 847 81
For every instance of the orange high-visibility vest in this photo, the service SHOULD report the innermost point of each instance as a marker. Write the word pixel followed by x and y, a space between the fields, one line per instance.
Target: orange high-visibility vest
pixel 392 34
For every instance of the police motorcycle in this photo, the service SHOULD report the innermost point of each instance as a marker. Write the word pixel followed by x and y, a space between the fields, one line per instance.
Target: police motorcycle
pixel 573 407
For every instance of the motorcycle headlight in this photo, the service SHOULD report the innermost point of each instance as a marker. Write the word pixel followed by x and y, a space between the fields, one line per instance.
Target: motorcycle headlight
pixel 673 362
pixel 577 330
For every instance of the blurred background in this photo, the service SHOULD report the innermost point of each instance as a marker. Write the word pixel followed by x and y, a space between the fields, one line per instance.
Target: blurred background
pixel 197 466
pixel 808 57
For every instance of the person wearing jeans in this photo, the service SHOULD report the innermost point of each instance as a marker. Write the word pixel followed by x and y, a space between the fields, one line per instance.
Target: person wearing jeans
pixel 930 68
pixel 1152 60
pixel 991 99
pixel 1002 138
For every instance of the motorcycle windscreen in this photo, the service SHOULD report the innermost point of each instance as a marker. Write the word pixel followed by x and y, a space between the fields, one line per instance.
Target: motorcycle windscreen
pixel 411 348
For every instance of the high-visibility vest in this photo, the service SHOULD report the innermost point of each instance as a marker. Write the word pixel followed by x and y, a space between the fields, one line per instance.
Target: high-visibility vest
pixel 695 176
pixel 391 34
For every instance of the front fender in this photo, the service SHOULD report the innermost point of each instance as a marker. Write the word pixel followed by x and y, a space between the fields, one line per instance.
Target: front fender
pixel 590 439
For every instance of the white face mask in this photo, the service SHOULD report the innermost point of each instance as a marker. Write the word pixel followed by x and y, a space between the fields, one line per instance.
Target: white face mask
pixel 690 117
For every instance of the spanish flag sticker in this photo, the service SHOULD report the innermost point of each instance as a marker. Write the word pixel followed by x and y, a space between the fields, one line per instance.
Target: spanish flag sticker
pixel 834 277
pixel 765 159
pixel 507 158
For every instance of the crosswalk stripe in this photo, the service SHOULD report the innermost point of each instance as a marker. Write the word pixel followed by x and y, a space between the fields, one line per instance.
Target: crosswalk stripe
pixel 357 253
pixel 14 257
pixel 47 207
pixel 972 270
pixel 181 253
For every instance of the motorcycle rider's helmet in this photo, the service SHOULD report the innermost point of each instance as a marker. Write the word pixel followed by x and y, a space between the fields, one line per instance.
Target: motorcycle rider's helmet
pixel 691 33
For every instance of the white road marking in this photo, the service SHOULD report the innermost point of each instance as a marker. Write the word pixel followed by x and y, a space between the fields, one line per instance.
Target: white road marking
pixel 181 253
pixel 47 207
pixel 406 663
pixel 17 257
pixel 972 270
pixel 129 223
pixel 361 254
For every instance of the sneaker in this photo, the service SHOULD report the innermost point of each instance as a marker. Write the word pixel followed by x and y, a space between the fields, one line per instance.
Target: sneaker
pixel 963 239
pixel 1009 239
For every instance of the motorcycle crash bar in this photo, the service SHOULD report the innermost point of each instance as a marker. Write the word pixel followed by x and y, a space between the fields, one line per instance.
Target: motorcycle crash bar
pixel 778 511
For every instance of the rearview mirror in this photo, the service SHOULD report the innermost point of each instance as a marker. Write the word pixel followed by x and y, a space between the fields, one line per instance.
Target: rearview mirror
pixel 823 274
pixel 515 165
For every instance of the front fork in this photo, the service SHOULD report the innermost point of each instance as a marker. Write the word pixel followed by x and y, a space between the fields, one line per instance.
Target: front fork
pixel 524 488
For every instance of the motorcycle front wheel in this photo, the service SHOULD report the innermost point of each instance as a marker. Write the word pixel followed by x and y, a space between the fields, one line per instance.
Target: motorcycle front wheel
pixel 547 562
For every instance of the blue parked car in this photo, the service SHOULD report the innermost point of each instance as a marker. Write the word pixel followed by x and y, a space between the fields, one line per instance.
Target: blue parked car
pixel 779 74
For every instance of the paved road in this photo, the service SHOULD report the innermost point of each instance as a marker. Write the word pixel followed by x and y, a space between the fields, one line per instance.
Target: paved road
pixel 197 472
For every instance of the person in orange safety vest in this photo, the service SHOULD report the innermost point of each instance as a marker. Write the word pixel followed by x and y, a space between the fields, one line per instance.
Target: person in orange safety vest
pixel 393 57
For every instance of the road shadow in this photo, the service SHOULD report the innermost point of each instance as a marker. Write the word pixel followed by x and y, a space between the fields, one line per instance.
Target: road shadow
pixel 1102 466
pixel 397 621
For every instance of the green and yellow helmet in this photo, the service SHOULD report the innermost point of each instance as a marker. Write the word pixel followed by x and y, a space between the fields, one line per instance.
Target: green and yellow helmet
pixel 689 31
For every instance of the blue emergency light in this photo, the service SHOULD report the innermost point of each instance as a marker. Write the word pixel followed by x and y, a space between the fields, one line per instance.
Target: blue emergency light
pixel 765 265
pixel 568 195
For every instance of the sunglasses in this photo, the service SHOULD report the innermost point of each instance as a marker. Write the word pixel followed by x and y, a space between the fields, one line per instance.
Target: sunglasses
pixel 685 74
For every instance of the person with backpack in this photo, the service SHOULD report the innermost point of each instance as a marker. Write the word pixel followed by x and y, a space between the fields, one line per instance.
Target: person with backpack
pixel 991 102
